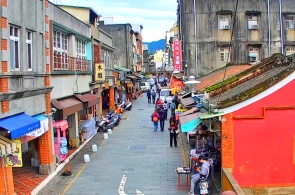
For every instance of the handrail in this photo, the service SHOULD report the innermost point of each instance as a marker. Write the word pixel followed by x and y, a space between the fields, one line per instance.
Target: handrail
pixel 67 63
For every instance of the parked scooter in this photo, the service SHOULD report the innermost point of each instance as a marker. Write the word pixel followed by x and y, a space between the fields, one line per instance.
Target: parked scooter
pixel 116 117
pixel 126 105
pixel 105 123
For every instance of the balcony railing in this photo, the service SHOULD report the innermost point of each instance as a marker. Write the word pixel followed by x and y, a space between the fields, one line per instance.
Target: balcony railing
pixel 66 63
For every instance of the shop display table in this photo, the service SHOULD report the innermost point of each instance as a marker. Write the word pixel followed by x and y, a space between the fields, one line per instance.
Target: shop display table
pixel 186 171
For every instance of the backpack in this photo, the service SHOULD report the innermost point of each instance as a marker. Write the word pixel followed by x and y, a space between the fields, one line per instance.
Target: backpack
pixel 172 106
pixel 155 119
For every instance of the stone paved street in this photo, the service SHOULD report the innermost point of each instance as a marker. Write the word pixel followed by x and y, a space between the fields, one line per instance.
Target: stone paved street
pixel 133 150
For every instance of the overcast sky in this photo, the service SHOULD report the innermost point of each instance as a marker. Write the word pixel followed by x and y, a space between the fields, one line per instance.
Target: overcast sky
pixel 156 16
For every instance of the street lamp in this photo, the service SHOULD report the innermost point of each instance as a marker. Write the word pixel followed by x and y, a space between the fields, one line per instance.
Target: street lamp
pixel 191 83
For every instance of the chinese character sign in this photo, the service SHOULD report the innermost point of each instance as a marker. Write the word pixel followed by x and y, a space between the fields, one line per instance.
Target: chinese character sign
pixel 99 72
pixel 177 55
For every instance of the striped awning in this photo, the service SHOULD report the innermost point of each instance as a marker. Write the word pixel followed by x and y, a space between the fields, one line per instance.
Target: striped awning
pixel 7 146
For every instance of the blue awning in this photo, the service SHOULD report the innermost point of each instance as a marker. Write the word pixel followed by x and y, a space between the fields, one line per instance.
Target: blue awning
pixel 189 122
pixel 19 125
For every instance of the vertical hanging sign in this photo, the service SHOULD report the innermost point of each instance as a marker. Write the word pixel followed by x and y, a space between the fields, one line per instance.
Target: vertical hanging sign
pixel 177 55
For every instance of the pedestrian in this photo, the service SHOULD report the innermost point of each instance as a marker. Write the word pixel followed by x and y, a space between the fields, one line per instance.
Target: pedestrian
pixel 148 94
pixel 176 100
pixel 201 172
pixel 154 96
pixel 161 113
pixel 155 119
pixel 173 132
pixel 172 107
pixel 165 106
pixel 158 89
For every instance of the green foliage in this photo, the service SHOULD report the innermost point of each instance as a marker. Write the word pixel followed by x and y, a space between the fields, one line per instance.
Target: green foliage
pixel 221 84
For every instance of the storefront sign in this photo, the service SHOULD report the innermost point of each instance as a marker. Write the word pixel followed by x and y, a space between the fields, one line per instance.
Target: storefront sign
pixel 177 55
pixel 99 72
pixel 176 85
pixel 15 159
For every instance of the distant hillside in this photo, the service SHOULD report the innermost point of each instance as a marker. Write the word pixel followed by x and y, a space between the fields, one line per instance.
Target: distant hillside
pixel 156 45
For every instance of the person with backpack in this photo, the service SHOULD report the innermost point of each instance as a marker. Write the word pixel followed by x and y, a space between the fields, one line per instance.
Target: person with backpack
pixel 165 106
pixel 154 96
pixel 172 107
pixel 155 119
pixel 161 112
pixel 176 100
pixel 148 94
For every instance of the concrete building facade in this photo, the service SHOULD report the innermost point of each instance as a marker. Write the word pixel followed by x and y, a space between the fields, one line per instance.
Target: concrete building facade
pixel 24 88
pixel 261 28
pixel 122 41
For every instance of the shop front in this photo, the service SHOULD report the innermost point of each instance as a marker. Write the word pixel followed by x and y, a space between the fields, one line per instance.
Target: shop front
pixel 20 147
pixel 66 125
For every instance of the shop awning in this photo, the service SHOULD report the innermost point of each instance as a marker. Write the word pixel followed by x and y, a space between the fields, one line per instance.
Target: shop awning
pixel 189 122
pixel 19 125
pixel 44 126
pixel 89 99
pixel 187 101
pixel 131 76
pixel 207 116
pixel 62 125
pixel 7 146
pixel 122 69
pixel 68 105
pixel 191 111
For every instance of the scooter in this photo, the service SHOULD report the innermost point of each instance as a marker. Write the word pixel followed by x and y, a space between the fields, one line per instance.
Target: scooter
pixel 117 117
pixel 126 106
pixel 106 123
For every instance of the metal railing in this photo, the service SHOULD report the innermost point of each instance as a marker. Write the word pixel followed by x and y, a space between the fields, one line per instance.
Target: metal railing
pixel 67 63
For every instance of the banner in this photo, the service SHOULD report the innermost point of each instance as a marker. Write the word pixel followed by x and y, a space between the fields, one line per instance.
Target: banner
pixel 15 159
pixel 177 58
pixel 99 72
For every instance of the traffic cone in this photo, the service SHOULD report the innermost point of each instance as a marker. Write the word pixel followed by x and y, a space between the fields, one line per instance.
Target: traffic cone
pixel 68 170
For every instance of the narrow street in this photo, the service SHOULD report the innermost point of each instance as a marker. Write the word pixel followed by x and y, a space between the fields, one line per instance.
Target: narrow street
pixel 133 150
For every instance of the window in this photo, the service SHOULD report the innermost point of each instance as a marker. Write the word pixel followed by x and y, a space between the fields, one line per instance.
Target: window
pixel 253 54
pixel 253 23
pixel 60 50
pixel 80 49
pixel 223 22
pixel 14 48
pixel 290 50
pixel 224 54
pixel 289 22
pixel 29 50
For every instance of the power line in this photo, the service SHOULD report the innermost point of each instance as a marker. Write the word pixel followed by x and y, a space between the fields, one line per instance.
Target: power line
pixel 229 47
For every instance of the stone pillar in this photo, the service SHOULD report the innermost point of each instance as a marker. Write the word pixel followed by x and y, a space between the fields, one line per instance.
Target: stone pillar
pixel 6 179
pixel 112 98
pixel 47 164
pixel 73 129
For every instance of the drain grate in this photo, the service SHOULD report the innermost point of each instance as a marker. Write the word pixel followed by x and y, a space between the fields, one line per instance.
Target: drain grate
pixel 123 118
pixel 140 108
pixel 138 147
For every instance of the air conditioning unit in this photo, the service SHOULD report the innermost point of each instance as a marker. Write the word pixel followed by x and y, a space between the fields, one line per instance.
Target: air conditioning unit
pixel 253 59
pixel 226 27
pixel 255 27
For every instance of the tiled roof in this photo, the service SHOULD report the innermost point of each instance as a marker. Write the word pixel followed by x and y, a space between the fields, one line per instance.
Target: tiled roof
pixel 217 75
pixel 250 82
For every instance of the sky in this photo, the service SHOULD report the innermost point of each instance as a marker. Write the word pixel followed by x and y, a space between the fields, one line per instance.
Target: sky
pixel 156 16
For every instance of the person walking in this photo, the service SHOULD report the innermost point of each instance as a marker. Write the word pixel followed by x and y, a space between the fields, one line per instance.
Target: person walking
pixel 154 96
pixel 162 118
pixel 176 100
pixel 165 106
pixel 173 132
pixel 155 119
pixel 148 94
pixel 172 107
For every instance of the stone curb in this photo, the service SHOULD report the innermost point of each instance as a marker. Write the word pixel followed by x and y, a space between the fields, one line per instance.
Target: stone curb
pixel 60 167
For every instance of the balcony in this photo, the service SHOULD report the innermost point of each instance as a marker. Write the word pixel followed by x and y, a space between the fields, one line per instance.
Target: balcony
pixel 70 64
